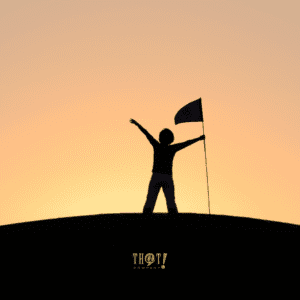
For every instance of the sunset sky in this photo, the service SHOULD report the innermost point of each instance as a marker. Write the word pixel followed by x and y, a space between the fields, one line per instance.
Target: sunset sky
pixel 73 73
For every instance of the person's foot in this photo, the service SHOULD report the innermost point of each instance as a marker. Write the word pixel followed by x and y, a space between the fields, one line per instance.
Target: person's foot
pixel 147 211
pixel 173 211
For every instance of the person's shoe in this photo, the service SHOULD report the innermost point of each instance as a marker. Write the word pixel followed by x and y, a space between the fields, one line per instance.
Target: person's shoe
pixel 173 211
pixel 147 211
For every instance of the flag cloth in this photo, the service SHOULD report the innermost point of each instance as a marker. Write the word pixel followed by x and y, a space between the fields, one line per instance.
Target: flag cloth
pixel 192 112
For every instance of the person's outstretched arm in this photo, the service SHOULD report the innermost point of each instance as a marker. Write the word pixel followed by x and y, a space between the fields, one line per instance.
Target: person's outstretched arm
pixel 183 145
pixel 151 139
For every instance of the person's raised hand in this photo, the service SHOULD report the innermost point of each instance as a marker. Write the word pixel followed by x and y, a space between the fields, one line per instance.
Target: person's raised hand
pixel 133 121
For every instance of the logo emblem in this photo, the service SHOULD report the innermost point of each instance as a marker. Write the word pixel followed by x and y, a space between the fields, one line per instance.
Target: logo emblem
pixel 149 260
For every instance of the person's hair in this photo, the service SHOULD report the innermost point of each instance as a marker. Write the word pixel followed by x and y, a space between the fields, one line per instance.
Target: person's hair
pixel 166 136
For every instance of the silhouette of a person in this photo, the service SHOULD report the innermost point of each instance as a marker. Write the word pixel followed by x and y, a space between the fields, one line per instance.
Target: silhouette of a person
pixel 162 175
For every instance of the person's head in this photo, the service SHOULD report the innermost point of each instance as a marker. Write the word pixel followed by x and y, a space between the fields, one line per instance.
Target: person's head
pixel 166 137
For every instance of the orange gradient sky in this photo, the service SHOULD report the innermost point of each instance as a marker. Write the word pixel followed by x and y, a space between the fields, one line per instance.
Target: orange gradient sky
pixel 73 73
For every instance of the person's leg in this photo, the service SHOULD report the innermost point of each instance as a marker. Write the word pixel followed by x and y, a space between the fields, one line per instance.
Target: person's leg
pixel 169 191
pixel 153 190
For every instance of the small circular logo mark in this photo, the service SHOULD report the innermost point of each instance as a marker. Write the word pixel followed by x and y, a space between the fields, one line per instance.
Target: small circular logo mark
pixel 149 258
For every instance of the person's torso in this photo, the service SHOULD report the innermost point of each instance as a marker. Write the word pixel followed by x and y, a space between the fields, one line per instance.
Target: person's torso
pixel 163 159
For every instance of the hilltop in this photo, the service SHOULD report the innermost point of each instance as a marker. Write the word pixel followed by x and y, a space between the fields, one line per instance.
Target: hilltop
pixel 190 241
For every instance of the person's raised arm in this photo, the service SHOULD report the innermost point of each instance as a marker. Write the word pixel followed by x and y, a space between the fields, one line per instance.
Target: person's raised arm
pixel 183 145
pixel 151 139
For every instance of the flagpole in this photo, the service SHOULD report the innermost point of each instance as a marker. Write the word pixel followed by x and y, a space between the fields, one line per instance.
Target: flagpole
pixel 190 113
pixel 206 169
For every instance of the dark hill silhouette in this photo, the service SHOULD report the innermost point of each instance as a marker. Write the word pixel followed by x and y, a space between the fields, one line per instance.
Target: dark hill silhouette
pixel 190 241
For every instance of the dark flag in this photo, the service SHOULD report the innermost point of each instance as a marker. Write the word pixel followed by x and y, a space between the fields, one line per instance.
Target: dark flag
pixel 192 112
